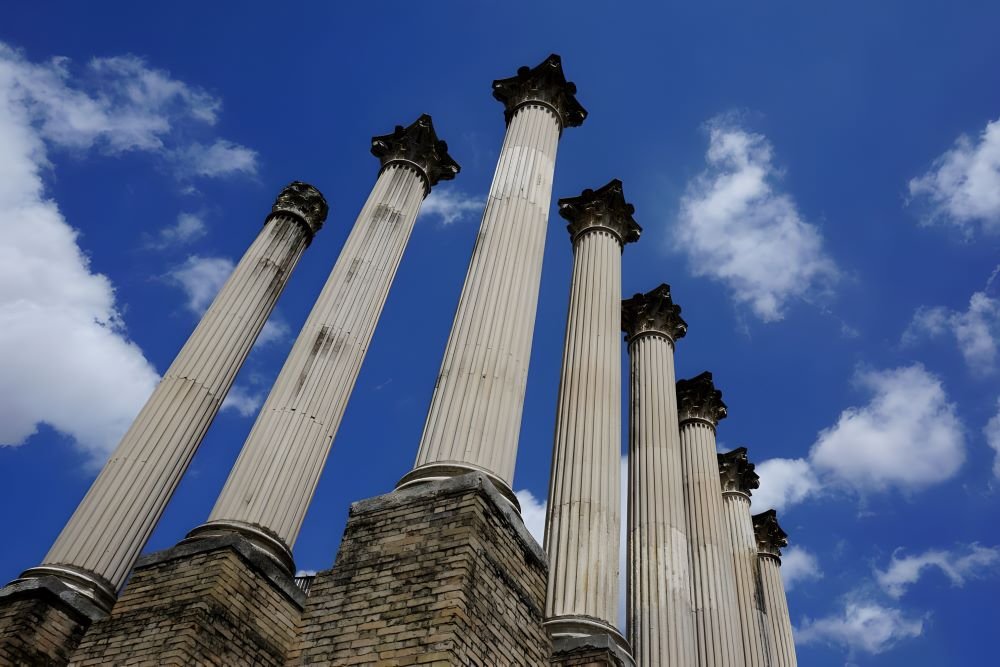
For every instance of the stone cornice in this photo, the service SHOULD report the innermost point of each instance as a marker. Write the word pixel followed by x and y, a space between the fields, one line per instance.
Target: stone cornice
pixel 604 208
pixel 417 145
pixel 544 84
pixel 305 203
pixel 771 539
pixel 699 400
pixel 737 473
pixel 654 311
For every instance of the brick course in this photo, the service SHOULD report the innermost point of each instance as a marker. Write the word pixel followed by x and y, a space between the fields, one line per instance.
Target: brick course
pixel 37 626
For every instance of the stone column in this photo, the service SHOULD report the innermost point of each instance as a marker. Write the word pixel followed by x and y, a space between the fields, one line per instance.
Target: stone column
pixel 582 522
pixel 770 541
pixel 100 543
pixel 475 412
pixel 270 487
pixel 738 478
pixel 660 621
pixel 713 581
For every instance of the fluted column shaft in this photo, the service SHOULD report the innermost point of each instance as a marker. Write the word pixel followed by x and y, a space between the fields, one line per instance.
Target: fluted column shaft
pixel 756 640
pixel 274 479
pixel 582 521
pixel 713 581
pixel 776 603
pixel 113 522
pixel 660 620
pixel 475 413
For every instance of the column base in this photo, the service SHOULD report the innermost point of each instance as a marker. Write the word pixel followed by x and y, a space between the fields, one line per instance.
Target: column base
pixel 591 651
pixel 439 472
pixel 42 619
pixel 211 600
pixel 262 538
pixel 588 629
pixel 441 572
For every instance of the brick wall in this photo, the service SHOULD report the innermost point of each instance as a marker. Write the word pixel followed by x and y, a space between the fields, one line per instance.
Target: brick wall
pixel 442 574
pixel 37 628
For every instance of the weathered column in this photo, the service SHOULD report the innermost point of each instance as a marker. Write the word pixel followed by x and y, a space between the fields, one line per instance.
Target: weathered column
pixel 475 412
pixel 270 487
pixel 770 541
pixel 103 538
pixel 582 521
pixel 738 478
pixel 713 581
pixel 660 621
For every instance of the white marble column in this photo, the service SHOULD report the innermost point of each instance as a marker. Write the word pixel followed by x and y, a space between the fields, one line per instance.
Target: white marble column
pixel 738 478
pixel 270 487
pixel 660 620
pixel 103 538
pixel 582 531
pixel 770 540
pixel 475 414
pixel 713 581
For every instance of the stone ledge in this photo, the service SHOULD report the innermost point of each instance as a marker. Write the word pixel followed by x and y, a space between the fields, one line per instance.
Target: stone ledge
pixel 455 485
pixel 250 554
pixel 55 589
pixel 567 648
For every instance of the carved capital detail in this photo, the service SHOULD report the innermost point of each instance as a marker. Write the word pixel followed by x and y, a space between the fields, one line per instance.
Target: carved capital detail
pixel 771 539
pixel 305 203
pixel 417 145
pixel 736 472
pixel 544 84
pixel 604 208
pixel 653 311
pixel 698 399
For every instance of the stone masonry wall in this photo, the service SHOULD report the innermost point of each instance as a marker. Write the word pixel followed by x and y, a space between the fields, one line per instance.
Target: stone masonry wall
pixel 441 574
pixel 37 629
pixel 211 602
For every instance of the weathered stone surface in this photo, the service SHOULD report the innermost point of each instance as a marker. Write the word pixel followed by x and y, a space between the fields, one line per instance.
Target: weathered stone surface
pixel 41 621
pixel 443 574
pixel 209 602
pixel 593 651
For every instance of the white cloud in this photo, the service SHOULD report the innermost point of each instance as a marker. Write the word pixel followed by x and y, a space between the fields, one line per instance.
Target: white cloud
pixel 188 228
pixel 908 436
pixel 863 626
pixel 533 513
pixel 65 358
pixel 797 565
pixel 450 206
pixel 738 228
pixel 222 158
pixel 274 330
pixel 958 566
pixel 242 401
pixel 962 186
pixel 992 433
pixel 201 278
pixel 783 482
pixel 975 330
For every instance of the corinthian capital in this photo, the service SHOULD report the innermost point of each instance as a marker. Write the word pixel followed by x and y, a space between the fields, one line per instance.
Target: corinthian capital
pixel 305 203
pixel 654 311
pixel 698 399
pixel 771 539
pixel 417 145
pixel 736 472
pixel 604 208
pixel 544 84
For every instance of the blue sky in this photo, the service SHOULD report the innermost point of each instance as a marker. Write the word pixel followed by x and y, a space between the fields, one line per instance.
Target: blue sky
pixel 819 185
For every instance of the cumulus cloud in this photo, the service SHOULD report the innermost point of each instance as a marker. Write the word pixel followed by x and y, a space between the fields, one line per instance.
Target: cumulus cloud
pixel 975 330
pixel 958 565
pixel 784 482
pixel 222 158
pixel 201 278
pixel 533 513
pixel 450 206
pixel 798 565
pixel 188 228
pixel 739 228
pixel 992 433
pixel 962 187
pixel 243 401
pixel 864 626
pixel 908 436
pixel 65 357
